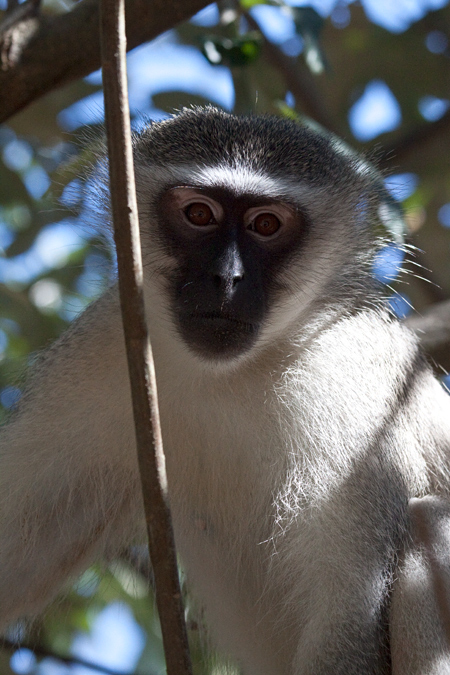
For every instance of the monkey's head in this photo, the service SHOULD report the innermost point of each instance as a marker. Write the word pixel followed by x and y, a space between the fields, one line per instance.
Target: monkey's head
pixel 249 225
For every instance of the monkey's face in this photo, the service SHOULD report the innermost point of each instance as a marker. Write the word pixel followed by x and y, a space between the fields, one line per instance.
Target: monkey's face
pixel 250 228
pixel 229 250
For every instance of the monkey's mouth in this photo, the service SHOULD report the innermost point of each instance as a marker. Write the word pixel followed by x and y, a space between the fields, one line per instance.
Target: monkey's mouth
pixel 217 334
pixel 224 319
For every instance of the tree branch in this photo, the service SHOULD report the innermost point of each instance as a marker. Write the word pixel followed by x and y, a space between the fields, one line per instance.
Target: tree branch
pixel 141 368
pixel 298 79
pixel 433 326
pixel 433 329
pixel 412 141
pixel 43 652
pixel 63 48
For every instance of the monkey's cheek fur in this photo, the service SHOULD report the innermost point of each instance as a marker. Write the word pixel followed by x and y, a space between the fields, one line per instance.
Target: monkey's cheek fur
pixel 217 336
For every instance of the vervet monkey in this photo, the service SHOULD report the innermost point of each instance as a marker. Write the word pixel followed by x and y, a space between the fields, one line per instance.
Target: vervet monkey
pixel 299 417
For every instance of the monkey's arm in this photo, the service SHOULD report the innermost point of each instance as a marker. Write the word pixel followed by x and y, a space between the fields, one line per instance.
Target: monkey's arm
pixel 68 479
pixel 421 598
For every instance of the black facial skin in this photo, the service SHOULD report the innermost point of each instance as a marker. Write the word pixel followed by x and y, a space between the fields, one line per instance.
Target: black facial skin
pixel 226 277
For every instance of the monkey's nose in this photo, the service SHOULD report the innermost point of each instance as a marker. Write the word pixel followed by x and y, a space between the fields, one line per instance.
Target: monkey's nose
pixel 227 281
pixel 228 271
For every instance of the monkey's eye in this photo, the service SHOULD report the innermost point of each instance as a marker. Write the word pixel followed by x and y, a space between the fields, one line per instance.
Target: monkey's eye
pixel 265 224
pixel 199 214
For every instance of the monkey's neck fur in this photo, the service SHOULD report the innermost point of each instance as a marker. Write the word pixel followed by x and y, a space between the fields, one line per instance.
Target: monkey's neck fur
pixel 343 461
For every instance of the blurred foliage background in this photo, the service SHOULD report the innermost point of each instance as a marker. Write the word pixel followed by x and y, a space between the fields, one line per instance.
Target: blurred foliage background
pixel 376 72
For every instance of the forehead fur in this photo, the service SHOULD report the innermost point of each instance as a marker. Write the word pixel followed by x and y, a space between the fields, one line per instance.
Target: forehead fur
pixel 207 136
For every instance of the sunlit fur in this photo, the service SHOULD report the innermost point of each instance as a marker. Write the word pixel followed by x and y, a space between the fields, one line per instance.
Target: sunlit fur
pixel 290 466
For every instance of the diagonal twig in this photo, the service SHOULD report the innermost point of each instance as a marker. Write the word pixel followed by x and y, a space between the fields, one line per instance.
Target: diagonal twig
pixel 413 141
pixel 43 652
pixel 298 79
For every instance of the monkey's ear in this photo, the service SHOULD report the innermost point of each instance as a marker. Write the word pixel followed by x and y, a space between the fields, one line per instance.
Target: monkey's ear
pixel 391 214
pixel 388 211
pixel 420 607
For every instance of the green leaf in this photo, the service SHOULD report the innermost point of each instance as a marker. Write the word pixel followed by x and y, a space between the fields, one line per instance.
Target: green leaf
pixel 232 52
pixel 286 110
pixel 248 4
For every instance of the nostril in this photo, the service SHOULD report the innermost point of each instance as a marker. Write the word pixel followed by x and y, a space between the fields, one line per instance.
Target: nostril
pixel 220 281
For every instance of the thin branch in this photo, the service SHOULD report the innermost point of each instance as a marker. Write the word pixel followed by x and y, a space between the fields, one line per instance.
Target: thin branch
pixel 432 326
pixel 298 79
pixel 42 652
pixel 140 361
pixel 412 141
pixel 63 48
